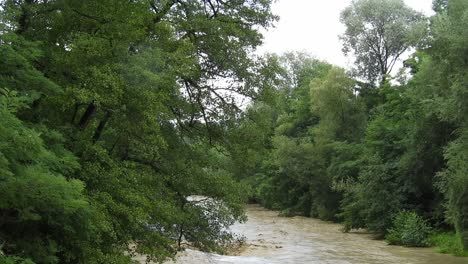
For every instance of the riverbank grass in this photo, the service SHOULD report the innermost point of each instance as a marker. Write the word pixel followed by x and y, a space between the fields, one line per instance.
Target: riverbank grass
pixel 448 243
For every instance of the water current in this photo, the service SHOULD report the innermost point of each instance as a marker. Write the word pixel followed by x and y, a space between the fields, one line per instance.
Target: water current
pixel 281 240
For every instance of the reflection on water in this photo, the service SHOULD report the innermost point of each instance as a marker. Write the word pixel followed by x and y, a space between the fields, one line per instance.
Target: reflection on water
pixel 273 239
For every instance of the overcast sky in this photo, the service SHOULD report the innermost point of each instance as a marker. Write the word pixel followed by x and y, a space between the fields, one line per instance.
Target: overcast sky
pixel 314 26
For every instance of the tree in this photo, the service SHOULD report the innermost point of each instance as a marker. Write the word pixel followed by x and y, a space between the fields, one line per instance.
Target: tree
pixel 339 109
pixel 128 89
pixel 378 32
pixel 44 214
pixel 382 187
pixel 320 110
pixel 442 80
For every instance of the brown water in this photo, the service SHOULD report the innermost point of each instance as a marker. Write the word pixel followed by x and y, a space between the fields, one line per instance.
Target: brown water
pixel 275 240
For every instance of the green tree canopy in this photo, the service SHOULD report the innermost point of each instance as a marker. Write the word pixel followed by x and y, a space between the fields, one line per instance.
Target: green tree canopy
pixel 378 32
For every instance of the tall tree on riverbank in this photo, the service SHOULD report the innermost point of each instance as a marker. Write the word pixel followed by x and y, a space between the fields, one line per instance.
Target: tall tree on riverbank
pixel 377 34
pixel 443 83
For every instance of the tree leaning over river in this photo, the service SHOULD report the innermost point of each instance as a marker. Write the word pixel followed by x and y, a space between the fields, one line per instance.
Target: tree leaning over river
pixel 110 119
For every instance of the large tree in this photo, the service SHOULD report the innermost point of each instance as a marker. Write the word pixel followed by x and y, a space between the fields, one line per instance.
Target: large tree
pixel 443 82
pixel 125 89
pixel 378 32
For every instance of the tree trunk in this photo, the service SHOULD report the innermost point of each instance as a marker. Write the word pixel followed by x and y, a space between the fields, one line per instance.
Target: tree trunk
pixel 181 236
pixel 87 115
pixel 102 124
pixel 25 17
pixel 75 112
pixel 463 221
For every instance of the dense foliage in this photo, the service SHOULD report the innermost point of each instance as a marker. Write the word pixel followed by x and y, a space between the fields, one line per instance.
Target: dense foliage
pixel 122 128
pixel 110 119
pixel 378 32
pixel 371 150
pixel 408 229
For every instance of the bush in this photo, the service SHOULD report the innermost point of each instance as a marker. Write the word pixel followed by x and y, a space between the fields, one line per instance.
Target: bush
pixel 448 243
pixel 14 260
pixel 409 229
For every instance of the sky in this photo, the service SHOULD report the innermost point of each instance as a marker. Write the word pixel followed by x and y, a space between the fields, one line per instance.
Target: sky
pixel 313 26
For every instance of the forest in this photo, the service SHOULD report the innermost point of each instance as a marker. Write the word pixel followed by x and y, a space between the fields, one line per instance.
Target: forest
pixel 113 113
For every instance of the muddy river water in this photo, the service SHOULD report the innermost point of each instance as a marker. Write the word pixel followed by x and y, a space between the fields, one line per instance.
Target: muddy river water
pixel 273 239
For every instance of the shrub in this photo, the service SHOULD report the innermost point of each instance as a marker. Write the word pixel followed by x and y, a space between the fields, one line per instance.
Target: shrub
pixel 14 260
pixel 448 243
pixel 409 229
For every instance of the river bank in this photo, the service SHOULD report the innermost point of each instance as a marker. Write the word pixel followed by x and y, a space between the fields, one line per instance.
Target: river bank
pixel 273 239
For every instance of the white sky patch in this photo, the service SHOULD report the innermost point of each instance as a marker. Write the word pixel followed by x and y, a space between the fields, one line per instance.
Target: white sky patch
pixel 313 26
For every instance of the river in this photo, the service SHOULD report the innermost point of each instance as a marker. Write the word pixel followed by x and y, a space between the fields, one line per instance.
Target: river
pixel 273 239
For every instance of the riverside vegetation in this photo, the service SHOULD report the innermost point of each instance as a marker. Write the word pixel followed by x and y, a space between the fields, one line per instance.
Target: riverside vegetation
pixel 113 112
